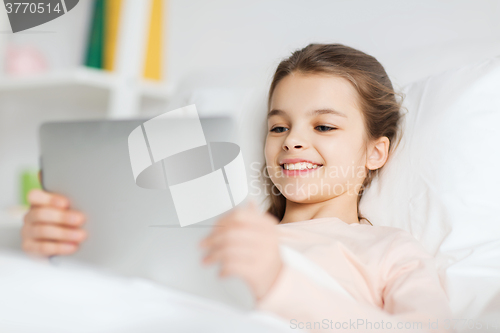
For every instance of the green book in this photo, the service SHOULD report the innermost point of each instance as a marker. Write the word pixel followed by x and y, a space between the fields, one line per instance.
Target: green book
pixel 95 46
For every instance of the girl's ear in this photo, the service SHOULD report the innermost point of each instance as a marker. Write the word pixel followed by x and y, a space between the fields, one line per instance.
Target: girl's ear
pixel 378 153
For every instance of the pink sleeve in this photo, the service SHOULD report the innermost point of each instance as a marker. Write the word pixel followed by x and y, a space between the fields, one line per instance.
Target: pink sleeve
pixel 413 298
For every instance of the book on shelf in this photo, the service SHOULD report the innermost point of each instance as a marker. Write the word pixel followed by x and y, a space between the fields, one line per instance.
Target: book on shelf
pixel 95 46
pixel 152 66
pixel 111 25
pixel 104 31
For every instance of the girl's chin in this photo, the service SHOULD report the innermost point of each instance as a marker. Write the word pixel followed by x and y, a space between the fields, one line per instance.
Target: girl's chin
pixel 303 200
pixel 302 197
pixel 307 192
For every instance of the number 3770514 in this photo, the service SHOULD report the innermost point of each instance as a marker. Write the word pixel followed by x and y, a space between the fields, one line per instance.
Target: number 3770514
pixel 31 7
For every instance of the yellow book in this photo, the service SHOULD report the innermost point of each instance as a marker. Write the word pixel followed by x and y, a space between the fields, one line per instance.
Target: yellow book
pixel 152 68
pixel 111 26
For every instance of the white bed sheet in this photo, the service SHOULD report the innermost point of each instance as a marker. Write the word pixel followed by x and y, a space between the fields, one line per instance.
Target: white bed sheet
pixel 37 297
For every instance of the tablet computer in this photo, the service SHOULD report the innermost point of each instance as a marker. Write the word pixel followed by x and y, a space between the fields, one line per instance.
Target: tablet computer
pixel 132 230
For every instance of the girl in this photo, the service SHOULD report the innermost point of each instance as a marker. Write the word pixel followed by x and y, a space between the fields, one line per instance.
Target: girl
pixel 332 121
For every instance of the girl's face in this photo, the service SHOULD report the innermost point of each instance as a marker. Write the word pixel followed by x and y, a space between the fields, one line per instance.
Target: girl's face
pixel 315 142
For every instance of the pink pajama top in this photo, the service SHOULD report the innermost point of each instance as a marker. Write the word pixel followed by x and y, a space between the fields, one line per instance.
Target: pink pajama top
pixel 393 281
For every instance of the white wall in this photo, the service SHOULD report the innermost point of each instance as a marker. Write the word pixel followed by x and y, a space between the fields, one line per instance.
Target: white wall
pixel 256 34
pixel 252 36
pixel 228 43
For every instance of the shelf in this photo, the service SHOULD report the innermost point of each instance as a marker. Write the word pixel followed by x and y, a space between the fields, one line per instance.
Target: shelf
pixel 89 86
pixel 80 76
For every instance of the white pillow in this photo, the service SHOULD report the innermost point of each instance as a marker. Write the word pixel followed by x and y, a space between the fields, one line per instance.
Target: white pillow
pixel 442 183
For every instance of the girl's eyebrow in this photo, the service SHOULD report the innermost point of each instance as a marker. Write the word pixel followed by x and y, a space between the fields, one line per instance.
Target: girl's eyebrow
pixel 276 112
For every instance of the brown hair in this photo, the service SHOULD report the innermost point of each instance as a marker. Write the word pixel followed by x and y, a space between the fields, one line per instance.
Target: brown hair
pixel 377 99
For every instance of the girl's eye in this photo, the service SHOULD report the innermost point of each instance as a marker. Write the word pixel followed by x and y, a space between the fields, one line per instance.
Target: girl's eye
pixel 323 128
pixel 278 127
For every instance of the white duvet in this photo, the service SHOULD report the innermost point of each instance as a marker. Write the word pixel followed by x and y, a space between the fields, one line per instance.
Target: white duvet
pixel 38 297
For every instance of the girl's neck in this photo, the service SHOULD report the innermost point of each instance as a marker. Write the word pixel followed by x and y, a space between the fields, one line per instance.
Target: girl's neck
pixel 343 207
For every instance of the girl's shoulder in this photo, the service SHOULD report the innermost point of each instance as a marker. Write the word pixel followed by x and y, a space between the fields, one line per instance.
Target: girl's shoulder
pixel 397 240
pixel 385 231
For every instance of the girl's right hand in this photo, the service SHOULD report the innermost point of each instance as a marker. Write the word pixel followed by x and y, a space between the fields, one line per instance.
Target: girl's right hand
pixel 50 226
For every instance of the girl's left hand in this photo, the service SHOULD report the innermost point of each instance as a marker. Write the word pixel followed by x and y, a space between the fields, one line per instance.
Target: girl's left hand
pixel 245 242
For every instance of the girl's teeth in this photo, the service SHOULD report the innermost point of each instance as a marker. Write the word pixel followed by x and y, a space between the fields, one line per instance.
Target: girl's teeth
pixel 300 166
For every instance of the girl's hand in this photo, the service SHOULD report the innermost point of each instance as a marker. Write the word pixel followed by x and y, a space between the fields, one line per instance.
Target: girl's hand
pixel 50 227
pixel 245 242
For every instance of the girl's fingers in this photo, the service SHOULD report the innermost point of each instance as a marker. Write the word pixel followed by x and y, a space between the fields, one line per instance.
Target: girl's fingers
pixel 235 244
pixel 50 227
pixel 54 215
pixel 39 197
pixel 48 248
pixel 56 233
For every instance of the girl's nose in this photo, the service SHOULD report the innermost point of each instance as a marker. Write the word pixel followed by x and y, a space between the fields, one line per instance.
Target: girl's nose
pixel 286 147
pixel 294 140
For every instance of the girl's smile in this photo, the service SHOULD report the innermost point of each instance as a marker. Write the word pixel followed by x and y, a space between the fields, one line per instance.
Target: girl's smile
pixel 299 172
pixel 297 166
